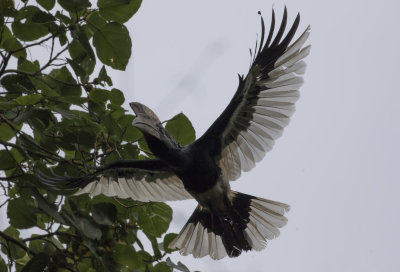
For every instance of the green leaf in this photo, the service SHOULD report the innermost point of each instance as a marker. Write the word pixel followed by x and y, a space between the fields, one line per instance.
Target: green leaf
pixel 85 226
pixel 80 35
pixel 62 37
pixel 181 129
pixel 167 240
pixel 162 267
pixel 38 263
pixel 6 133
pixel 116 111
pixel 63 82
pixel 99 95
pixel 6 7
pixel 103 77
pixel 42 17
pixel 25 65
pixel 96 110
pixel 74 5
pixel 113 45
pixel 180 266
pixel 126 120
pixel 85 265
pixel 14 46
pixel 143 146
pixel 21 213
pixel 40 119
pixel 17 155
pixel 127 256
pixel 29 99
pixel 113 129
pixel 41 84
pixel 89 229
pixel 118 10
pixel 5 35
pixel 121 211
pixel 47 207
pixel 47 4
pixel 26 12
pixel 154 218
pixel 29 31
pixel 104 213
pixel 22 262
pixel 6 160
pixel 36 245
pixel 79 71
pixel 56 243
pixel 129 151
pixel 131 134
pixel 80 56
pixel 17 83
pixel 117 97
pixel 155 246
pixel 96 21
pixel 63 18
pixel 3 266
pixel 77 136
pixel 76 100
pixel 16 251
pixel 8 105
pixel 66 113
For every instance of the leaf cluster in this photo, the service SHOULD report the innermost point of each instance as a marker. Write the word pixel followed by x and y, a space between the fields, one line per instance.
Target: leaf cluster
pixel 59 110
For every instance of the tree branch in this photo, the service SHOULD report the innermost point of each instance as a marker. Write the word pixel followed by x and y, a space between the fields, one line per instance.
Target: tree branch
pixel 16 242
pixel 47 153
pixel 33 44
pixel 4 63
pixel 51 59
pixel 38 237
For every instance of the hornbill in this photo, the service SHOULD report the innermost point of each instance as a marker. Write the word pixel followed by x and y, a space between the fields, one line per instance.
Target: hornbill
pixel 225 222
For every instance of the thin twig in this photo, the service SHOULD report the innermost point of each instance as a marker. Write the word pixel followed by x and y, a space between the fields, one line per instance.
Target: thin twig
pixel 51 59
pixel 38 237
pixel 23 150
pixel 4 63
pixel 33 44
pixel 52 48
pixel 5 202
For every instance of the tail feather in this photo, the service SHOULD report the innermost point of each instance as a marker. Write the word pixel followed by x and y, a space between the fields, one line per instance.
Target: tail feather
pixel 250 223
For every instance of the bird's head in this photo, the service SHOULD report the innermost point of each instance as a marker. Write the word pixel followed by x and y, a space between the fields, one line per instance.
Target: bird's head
pixel 157 138
pixel 146 120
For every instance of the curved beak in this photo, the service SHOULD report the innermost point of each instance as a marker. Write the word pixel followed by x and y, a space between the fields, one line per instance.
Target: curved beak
pixel 146 120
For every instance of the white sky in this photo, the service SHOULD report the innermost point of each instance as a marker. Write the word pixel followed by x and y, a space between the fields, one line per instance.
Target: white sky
pixel 337 163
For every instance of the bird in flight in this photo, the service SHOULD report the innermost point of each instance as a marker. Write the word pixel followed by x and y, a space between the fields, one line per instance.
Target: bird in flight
pixel 225 222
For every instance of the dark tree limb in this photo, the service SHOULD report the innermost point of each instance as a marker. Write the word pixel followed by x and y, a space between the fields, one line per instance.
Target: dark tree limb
pixel 16 242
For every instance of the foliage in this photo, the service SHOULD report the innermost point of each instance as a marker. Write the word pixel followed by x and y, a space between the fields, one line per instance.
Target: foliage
pixel 62 112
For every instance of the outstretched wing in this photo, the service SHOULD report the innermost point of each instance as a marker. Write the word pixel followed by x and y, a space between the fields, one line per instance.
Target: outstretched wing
pixel 143 180
pixel 263 103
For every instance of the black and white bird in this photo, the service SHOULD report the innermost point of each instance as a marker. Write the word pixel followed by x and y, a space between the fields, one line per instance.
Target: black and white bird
pixel 225 222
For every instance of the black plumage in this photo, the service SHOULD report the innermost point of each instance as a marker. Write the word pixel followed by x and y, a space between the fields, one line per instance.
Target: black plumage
pixel 225 222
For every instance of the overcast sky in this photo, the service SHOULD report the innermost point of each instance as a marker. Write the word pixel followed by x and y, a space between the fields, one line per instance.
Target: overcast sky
pixel 337 163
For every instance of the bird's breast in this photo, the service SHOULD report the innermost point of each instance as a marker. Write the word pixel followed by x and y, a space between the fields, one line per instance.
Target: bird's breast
pixel 216 197
pixel 199 172
pixel 200 177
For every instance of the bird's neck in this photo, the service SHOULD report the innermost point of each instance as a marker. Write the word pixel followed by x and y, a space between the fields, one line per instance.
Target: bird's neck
pixel 166 148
